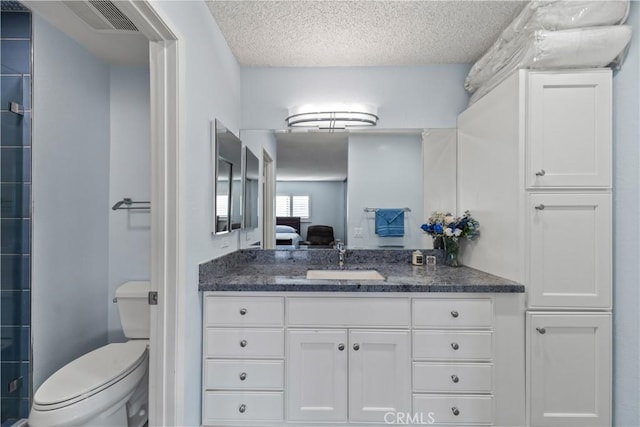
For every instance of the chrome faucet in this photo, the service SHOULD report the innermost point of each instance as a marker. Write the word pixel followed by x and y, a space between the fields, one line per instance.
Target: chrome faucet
pixel 342 251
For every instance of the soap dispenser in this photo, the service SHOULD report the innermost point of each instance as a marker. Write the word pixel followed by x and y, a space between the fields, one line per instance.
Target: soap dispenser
pixel 417 258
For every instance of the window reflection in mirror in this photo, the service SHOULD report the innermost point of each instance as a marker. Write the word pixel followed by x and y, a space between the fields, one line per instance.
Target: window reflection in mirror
pixel 251 188
pixel 227 167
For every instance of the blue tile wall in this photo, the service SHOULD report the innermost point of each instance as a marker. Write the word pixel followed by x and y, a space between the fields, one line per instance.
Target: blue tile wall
pixel 15 212
pixel 15 272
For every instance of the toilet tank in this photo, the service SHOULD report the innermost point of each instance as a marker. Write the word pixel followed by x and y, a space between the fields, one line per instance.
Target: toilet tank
pixel 133 306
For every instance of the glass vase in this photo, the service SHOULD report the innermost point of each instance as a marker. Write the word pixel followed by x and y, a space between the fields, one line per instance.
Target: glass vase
pixel 451 248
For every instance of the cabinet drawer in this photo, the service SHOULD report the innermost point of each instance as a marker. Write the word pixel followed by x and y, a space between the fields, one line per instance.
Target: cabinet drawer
pixel 452 377
pixel 354 312
pixel 244 374
pixel 437 345
pixel 244 311
pixel 470 410
pixel 452 313
pixel 242 406
pixel 244 343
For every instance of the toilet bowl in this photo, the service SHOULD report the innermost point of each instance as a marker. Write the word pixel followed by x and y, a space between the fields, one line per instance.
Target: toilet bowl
pixel 106 387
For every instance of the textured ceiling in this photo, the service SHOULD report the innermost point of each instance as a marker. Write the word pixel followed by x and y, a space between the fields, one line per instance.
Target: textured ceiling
pixel 360 32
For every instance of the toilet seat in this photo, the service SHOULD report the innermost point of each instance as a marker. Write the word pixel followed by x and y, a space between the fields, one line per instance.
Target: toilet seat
pixel 90 374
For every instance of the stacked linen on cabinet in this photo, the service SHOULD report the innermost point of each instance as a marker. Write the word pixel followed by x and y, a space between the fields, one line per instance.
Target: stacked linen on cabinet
pixel 554 34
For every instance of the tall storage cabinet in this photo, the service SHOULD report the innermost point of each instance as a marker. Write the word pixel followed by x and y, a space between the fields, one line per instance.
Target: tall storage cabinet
pixel 534 166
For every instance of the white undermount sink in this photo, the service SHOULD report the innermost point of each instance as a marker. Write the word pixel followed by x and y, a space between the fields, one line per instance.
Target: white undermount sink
pixel 344 275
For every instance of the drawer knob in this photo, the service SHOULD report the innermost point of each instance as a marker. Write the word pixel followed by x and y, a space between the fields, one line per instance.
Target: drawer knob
pixel 340 347
pixel 541 172
pixel 243 343
pixel 455 411
pixel 539 207
pixel 356 347
pixel 243 376
pixel 455 378
pixel 455 346
pixel 541 330
pixel 455 314
pixel 243 311
pixel 242 409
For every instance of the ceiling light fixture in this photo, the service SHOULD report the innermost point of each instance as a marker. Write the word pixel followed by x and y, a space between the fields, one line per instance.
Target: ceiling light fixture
pixel 336 116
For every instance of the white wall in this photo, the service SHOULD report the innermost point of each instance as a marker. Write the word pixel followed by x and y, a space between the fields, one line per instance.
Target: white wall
pixel 626 234
pixel 130 176
pixel 429 96
pixel 385 171
pixel 70 200
pixel 210 88
pixel 326 200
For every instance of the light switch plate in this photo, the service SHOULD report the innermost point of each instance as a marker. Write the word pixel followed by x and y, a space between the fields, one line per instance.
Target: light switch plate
pixel 357 232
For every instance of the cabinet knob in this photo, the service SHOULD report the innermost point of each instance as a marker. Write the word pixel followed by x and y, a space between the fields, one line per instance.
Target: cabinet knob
pixel 242 408
pixel 243 311
pixel 455 346
pixel 541 330
pixel 356 347
pixel 541 172
pixel 340 347
pixel 243 343
pixel 243 376
pixel 455 314
pixel 455 411
pixel 455 378
pixel 539 207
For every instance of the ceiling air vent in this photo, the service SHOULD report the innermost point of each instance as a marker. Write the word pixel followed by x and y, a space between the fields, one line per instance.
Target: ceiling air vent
pixel 101 15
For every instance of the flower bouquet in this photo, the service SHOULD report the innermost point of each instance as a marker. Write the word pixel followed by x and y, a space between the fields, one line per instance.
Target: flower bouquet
pixel 447 230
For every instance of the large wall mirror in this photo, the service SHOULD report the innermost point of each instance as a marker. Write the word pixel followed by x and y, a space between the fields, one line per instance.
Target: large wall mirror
pixel 251 189
pixel 333 183
pixel 227 178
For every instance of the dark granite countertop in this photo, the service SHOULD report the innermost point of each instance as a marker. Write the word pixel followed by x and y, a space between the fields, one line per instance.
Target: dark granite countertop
pixel 285 271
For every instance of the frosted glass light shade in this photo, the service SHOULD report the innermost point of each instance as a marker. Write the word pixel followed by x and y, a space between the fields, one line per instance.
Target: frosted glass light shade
pixel 337 116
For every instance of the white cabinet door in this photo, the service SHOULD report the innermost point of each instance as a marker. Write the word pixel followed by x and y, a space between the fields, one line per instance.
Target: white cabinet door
pixel 379 374
pixel 569 250
pixel 569 366
pixel 317 375
pixel 569 129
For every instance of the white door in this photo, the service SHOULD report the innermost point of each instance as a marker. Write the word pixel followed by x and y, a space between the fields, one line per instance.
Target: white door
pixel 570 250
pixel 569 369
pixel 379 374
pixel 569 129
pixel 317 375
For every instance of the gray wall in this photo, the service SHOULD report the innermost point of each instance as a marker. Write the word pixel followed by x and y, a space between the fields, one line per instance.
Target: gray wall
pixel 70 200
pixel 385 171
pixel 130 156
pixel 626 235
pixel 327 203
pixel 429 96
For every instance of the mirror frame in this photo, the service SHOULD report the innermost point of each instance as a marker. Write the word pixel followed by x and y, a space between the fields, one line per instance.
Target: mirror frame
pixel 217 129
pixel 245 180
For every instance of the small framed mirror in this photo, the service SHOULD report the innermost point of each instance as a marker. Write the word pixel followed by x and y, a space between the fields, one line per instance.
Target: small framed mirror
pixel 251 189
pixel 226 164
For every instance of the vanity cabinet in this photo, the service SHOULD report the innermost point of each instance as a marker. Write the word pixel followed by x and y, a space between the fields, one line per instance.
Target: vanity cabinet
pixel 569 368
pixel 534 164
pixel 348 359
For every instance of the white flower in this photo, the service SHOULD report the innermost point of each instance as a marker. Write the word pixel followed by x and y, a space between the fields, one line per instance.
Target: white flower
pixel 448 219
pixel 448 232
pixel 457 233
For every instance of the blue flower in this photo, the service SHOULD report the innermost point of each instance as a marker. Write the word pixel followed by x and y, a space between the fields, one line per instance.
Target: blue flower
pixel 438 228
pixel 425 228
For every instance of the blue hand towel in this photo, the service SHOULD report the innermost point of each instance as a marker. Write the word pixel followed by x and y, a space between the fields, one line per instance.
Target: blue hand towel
pixel 390 222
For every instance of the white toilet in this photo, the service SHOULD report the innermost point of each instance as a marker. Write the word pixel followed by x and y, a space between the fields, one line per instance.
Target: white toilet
pixel 108 386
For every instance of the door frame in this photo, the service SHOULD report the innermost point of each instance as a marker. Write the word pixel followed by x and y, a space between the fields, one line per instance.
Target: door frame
pixel 268 201
pixel 166 354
